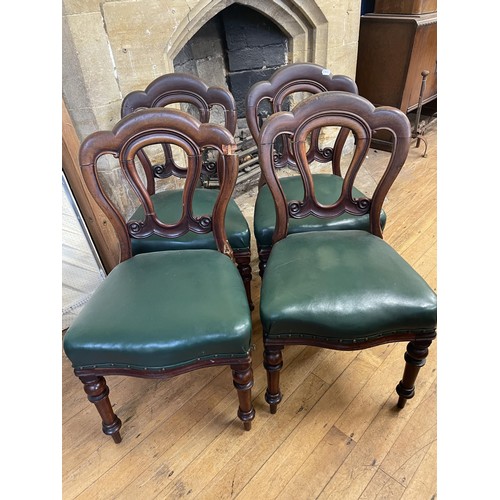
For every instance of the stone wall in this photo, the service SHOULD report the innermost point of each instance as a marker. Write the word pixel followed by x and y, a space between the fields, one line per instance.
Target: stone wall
pixel 112 47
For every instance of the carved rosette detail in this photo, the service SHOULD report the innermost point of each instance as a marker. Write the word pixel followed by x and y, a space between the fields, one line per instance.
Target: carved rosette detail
pixel 205 222
pixel 326 153
pixel 362 203
pixel 277 156
pixel 294 207
pixel 160 171
pixel 210 167
pixel 134 227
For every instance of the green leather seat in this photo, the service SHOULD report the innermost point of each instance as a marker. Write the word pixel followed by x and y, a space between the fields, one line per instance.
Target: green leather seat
pixel 327 189
pixel 168 206
pixel 163 310
pixel 348 289
pixel 358 289
pixel 161 314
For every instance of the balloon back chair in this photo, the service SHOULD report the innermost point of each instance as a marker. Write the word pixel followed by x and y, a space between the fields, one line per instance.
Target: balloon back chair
pixel 161 314
pixel 349 289
pixel 205 102
pixel 287 82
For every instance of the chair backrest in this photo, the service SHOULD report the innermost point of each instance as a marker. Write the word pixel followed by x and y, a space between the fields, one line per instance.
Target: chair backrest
pixel 180 88
pixel 161 126
pixel 340 109
pixel 288 80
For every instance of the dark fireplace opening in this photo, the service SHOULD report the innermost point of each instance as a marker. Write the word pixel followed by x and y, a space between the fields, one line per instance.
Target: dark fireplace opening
pixel 235 49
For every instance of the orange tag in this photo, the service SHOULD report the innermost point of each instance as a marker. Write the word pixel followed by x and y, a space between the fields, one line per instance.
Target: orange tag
pixel 229 149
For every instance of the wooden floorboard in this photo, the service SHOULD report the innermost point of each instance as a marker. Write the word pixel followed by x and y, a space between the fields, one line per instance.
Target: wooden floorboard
pixel 336 434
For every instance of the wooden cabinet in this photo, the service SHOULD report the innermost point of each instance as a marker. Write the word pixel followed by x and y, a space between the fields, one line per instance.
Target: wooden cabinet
pixel 393 51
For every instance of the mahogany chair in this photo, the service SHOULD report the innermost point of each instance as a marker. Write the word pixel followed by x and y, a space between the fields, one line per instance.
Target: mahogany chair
pixel 347 289
pixel 203 101
pixel 150 317
pixel 274 94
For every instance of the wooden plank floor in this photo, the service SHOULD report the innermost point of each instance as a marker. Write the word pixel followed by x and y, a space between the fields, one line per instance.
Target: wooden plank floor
pixel 336 434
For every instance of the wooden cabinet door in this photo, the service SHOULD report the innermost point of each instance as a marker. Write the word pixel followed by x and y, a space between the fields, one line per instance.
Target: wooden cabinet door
pixel 393 51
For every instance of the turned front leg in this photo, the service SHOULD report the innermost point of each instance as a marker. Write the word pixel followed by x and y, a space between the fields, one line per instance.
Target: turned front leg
pixel 243 381
pixel 415 357
pixel 273 362
pixel 97 392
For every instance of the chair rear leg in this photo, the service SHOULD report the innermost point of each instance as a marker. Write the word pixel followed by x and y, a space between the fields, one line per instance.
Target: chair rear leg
pixel 415 357
pixel 273 362
pixel 97 392
pixel 243 263
pixel 243 381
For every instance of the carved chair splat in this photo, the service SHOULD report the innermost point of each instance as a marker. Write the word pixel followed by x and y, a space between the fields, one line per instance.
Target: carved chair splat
pixel 179 89
pixel 289 81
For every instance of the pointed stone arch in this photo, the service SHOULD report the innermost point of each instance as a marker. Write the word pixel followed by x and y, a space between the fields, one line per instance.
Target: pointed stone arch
pixel 302 22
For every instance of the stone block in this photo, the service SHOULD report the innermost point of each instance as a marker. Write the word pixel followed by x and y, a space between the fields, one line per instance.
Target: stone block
pixel 108 115
pixel 83 118
pixel 139 33
pixel 239 84
pixel 186 67
pixel 344 59
pixel 212 71
pixel 71 7
pixel 245 27
pixel 73 84
pixel 257 57
pixel 275 55
pixel 184 56
pixel 343 20
pixel 207 42
pixel 89 41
